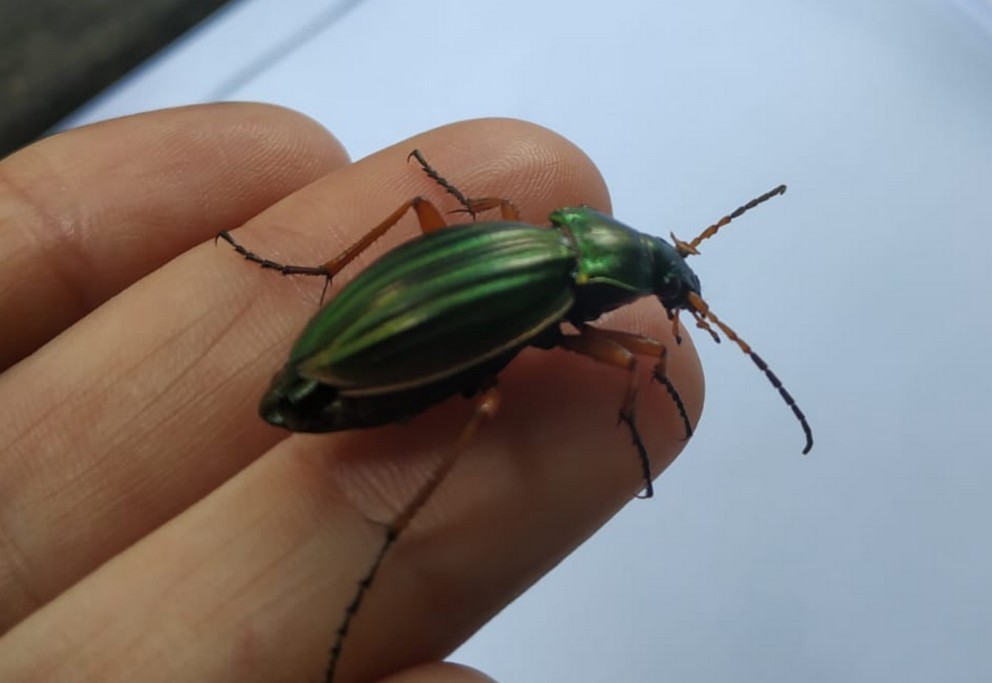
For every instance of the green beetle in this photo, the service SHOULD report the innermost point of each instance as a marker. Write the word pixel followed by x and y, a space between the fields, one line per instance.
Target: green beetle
pixel 444 313
pixel 437 315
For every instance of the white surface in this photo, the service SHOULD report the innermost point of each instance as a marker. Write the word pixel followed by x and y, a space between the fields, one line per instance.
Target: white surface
pixel 867 288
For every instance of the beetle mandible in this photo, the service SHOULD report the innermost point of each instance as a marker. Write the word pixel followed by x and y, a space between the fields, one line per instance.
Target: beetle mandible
pixel 444 313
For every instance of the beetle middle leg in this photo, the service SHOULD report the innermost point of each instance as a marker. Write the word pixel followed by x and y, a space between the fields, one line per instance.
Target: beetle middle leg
pixel 472 206
pixel 621 350
pixel 486 406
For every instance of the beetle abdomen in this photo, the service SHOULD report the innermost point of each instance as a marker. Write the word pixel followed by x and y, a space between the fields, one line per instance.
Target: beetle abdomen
pixel 303 405
pixel 440 304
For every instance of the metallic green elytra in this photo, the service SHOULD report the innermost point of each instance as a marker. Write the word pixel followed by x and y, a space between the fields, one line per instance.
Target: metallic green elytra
pixel 444 313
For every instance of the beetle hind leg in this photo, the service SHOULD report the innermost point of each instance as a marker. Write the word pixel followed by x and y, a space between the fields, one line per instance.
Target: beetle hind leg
pixel 428 217
pixel 285 269
pixel 486 406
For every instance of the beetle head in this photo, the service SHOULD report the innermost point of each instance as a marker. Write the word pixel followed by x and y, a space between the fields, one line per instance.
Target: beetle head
pixel 673 278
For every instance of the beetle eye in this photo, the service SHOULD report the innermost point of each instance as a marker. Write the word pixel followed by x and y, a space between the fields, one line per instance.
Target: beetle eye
pixel 670 287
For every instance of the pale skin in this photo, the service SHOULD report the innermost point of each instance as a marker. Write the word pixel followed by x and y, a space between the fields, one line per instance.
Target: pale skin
pixel 153 527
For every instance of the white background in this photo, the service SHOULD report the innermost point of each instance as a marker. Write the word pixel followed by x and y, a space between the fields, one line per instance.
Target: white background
pixel 867 288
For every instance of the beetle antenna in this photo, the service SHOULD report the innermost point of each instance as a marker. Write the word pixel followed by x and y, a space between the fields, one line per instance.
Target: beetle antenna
pixel 689 248
pixel 702 310
pixel 443 182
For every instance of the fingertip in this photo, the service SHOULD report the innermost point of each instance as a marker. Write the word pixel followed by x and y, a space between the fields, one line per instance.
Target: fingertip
pixel 439 672
pixel 532 166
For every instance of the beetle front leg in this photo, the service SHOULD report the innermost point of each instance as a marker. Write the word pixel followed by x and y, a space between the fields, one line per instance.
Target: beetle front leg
pixel 486 406
pixel 621 349
pixel 649 346
pixel 590 342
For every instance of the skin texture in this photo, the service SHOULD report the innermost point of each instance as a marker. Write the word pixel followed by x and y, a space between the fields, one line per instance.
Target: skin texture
pixel 152 527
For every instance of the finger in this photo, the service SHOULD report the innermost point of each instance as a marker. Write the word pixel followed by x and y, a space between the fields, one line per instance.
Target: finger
pixel 150 402
pixel 259 572
pixel 439 673
pixel 249 583
pixel 85 213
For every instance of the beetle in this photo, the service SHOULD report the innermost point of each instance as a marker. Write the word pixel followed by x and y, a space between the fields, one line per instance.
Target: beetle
pixel 442 314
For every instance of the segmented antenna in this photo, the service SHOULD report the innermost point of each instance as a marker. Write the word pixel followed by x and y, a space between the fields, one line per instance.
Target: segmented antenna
pixel 688 248
pixel 701 312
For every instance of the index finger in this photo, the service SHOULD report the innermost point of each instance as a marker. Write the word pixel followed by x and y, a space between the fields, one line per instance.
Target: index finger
pixel 85 213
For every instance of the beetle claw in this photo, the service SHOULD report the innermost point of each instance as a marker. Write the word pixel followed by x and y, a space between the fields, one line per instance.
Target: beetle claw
pixel 642 453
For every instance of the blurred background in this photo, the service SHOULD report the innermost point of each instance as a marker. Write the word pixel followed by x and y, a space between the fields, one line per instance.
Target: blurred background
pixel 867 287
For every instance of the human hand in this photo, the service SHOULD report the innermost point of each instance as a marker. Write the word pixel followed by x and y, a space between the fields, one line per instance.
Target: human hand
pixel 152 527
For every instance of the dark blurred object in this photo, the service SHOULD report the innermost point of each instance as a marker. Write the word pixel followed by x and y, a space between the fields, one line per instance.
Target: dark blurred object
pixel 57 54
